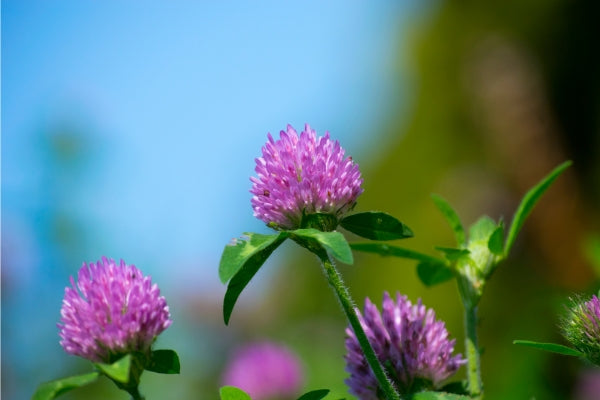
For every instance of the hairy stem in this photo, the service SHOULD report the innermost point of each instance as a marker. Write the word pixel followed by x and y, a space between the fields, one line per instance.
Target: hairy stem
pixel 335 280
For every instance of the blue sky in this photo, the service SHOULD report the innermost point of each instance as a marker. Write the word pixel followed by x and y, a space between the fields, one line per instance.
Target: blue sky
pixel 170 103
pixel 177 101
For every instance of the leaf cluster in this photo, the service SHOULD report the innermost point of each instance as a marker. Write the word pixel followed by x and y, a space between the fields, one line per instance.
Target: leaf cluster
pixel 122 372
pixel 243 258
pixel 476 255
pixel 234 393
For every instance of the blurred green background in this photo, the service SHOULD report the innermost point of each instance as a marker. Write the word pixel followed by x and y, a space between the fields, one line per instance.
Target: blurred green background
pixel 475 101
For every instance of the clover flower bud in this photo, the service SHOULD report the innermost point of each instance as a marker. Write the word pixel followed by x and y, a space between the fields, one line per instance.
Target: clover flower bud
pixel 582 328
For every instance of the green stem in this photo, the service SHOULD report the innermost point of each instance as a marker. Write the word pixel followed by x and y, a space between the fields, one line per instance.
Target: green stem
pixel 335 280
pixel 472 350
pixel 135 394
pixel 133 390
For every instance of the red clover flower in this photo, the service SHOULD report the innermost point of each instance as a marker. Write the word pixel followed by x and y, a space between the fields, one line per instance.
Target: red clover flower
pixel 265 371
pixel 115 311
pixel 301 176
pixel 409 342
pixel 587 385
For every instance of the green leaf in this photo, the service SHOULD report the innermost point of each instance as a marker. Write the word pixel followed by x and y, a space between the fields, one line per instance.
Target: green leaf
pixel 452 218
pixel 333 242
pixel 118 371
pixel 53 389
pixel 551 347
pixel 438 396
pixel 456 387
pixel 376 226
pixel 482 229
pixel 236 255
pixel 249 268
pixel 431 270
pixel 395 251
pixel 528 202
pixel 433 273
pixel 233 393
pixel 451 253
pixel 484 261
pixel 314 394
pixel 164 362
pixel 496 241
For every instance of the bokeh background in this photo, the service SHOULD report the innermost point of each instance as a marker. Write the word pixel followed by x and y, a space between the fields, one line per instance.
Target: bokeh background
pixel 130 130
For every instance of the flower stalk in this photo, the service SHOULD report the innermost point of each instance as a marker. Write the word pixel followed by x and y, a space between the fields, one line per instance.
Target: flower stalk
pixel 470 298
pixel 135 393
pixel 475 385
pixel 335 280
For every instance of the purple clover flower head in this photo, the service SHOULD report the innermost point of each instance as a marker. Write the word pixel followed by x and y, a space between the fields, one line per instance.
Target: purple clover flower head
pixel 265 371
pixel 113 310
pixel 303 176
pixel 582 328
pixel 587 386
pixel 409 342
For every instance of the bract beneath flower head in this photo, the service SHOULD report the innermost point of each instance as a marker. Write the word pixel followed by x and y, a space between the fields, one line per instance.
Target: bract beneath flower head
pixel 299 177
